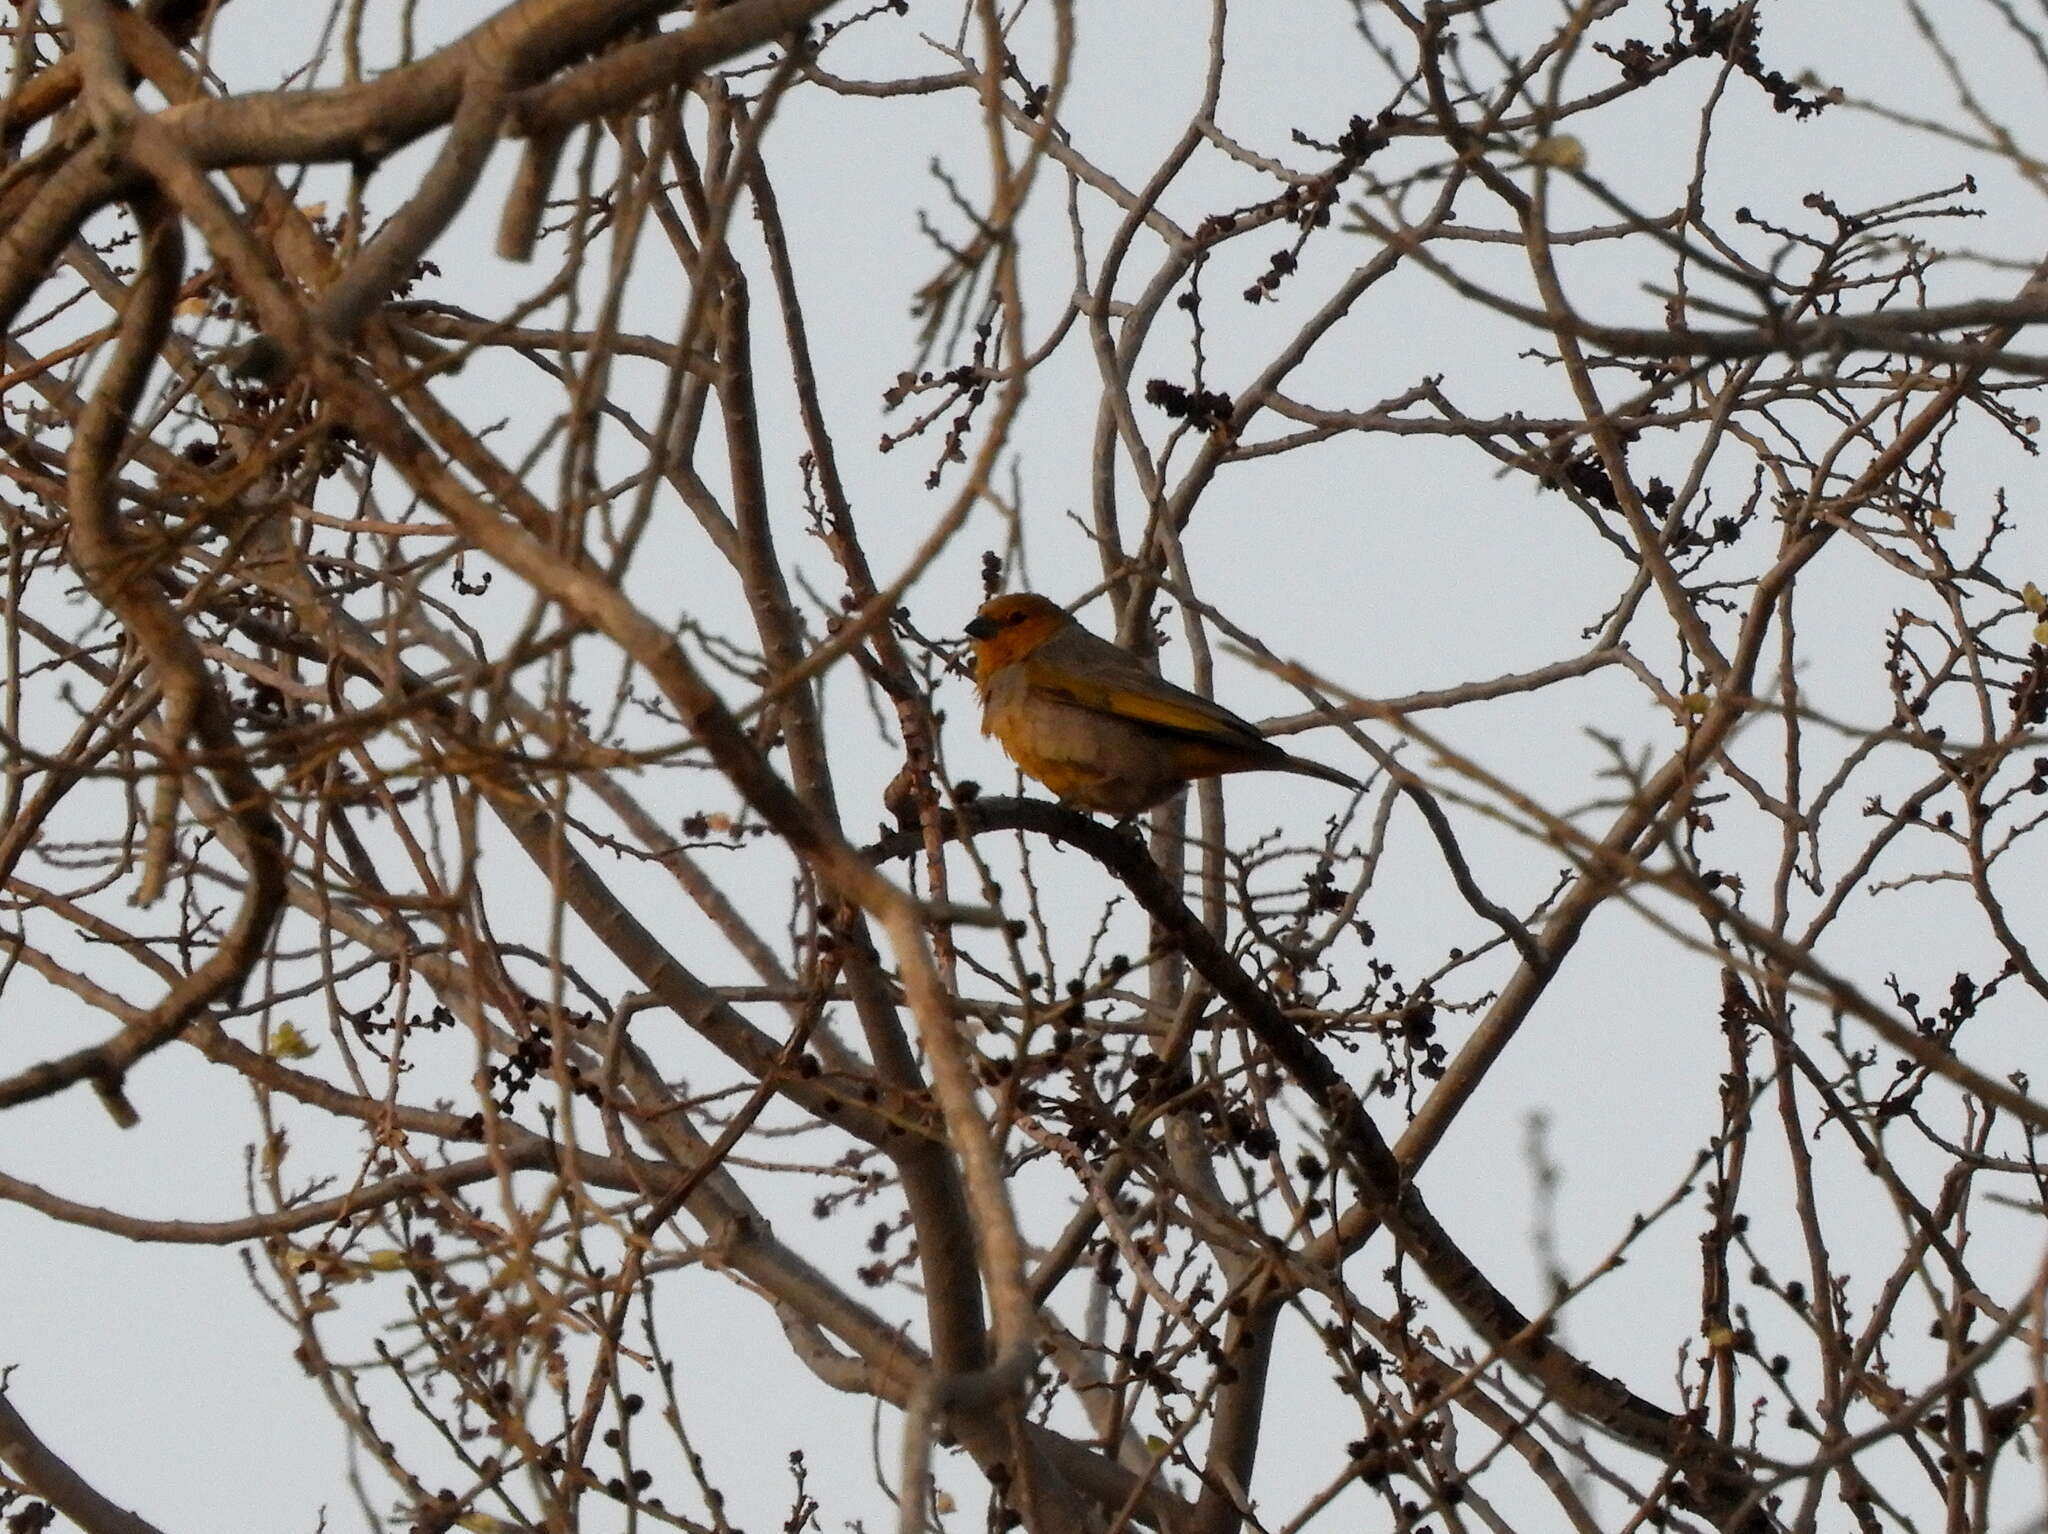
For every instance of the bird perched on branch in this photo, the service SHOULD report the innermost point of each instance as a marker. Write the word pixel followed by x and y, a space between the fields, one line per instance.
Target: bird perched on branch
pixel 1085 718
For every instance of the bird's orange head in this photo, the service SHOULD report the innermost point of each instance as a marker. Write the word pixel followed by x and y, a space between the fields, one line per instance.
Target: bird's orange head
pixel 1009 628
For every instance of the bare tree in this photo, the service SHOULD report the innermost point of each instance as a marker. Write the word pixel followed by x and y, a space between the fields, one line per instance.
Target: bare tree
pixel 496 727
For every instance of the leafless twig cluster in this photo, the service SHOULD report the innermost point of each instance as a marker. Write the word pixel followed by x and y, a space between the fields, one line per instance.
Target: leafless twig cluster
pixel 499 730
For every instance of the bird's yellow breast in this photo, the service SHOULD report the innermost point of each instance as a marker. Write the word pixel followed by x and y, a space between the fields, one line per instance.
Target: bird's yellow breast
pixel 1092 760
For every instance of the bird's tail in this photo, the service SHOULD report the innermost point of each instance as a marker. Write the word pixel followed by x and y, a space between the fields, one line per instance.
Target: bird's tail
pixel 1309 769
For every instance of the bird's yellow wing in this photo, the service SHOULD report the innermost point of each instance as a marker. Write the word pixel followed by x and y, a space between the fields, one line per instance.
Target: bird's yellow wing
pixel 1129 692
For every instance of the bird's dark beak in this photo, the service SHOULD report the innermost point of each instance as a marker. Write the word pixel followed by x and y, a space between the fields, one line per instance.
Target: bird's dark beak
pixel 981 628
